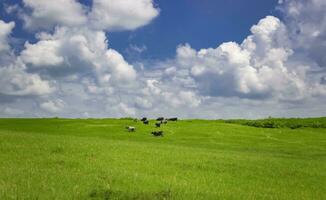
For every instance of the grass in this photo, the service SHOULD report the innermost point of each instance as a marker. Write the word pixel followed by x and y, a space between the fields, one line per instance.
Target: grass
pixel 196 159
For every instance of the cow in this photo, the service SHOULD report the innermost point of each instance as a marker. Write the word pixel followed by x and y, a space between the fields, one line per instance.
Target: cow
pixel 160 119
pixel 157 133
pixel 173 119
pixel 143 119
pixel 158 124
pixel 146 122
pixel 165 121
pixel 130 128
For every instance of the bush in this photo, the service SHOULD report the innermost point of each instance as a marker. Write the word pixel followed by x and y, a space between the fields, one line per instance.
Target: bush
pixel 292 123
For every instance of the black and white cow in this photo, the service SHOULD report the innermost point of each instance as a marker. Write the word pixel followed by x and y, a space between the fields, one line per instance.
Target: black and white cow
pixel 157 133
pixel 173 119
pixel 158 124
pixel 143 119
pixel 130 128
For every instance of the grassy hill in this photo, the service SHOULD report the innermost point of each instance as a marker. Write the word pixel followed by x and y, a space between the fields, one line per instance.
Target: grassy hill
pixel 196 159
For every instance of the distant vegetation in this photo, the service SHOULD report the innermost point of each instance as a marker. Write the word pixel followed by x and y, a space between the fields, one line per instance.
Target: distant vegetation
pixel 292 123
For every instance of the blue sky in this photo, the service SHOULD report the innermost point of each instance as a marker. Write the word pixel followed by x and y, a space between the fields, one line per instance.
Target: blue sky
pixel 202 24
pixel 186 58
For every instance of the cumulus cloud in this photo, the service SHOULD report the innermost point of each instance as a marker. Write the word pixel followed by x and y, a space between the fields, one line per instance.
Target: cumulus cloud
pixel 182 98
pixel 5 31
pixel 78 50
pixel 307 23
pixel 122 15
pixel 70 69
pixel 44 53
pixel 53 106
pixel 15 81
pixel 260 67
pixel 166 93
pixel 73 63
pixel 110 15
pixel 47 14
pixel 126 110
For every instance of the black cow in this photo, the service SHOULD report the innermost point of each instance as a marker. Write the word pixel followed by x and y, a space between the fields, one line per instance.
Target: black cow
pixel 146 122
pixel 158 124
pixel 143 119
pixel 173 119
pixel 157 133
pixel 160 119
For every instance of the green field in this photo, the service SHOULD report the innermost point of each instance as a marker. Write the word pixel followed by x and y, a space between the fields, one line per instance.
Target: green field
pixel 196 159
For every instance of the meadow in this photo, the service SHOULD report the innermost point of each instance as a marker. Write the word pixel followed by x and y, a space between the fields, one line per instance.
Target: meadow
pixel 196 159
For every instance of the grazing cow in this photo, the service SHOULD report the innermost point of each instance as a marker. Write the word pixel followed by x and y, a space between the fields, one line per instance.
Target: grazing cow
pixel 158 124
pixel 160 119
pixel 143 119
pixel 130 128
pixel 165 121
pixel 173 119
pixel 146 122
pixel 157 133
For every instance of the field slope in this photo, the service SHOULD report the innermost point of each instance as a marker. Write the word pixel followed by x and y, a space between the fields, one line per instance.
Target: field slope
pixel 196 159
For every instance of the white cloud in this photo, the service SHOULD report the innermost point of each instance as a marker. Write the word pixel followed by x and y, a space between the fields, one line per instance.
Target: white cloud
pixel 43 53
pixel 122 15
pixel 276 70
pixel 151 87
pixel 137 49
pixel 260 67
pixel 307 23
pixel 165 93
pixel 110 15
pixel 170 71
pixel 15 81
pixel 46 14
pixel 53 106
pixel 12 111
pixel 182 98
pixel 143 103
pixel 126 110
pixel 122 71
pixel 5 31
pixel 78 51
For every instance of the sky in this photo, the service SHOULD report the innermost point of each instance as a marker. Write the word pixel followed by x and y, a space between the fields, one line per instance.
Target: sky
pixel 192 59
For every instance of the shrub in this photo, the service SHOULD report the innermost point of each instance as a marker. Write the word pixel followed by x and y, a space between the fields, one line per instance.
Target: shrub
pixel 292 123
